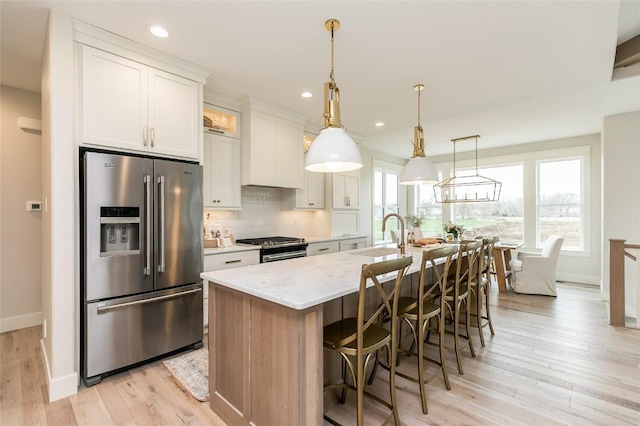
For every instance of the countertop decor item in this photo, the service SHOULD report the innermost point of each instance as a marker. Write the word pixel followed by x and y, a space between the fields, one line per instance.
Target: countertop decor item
pixel 414 220
pixel 419 170
pixel 452 228
pixel 333 150
pixel 468 188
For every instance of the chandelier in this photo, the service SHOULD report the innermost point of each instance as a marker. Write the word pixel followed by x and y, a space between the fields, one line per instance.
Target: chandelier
pixel 467 189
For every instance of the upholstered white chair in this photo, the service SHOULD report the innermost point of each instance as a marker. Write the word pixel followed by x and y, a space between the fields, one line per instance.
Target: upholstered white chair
pixel 536 274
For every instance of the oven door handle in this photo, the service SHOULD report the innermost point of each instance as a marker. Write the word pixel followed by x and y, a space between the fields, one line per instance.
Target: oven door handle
pixel 283 256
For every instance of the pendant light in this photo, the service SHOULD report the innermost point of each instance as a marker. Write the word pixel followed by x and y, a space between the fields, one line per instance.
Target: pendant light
pixel 333 150
pixel 467 189
pixel 418 170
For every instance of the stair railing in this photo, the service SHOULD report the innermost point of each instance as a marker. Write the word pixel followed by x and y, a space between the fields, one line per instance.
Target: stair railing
pixel 617 253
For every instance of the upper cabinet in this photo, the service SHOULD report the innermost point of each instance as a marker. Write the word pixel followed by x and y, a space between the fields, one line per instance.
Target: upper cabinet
pixel 346 190
pixel 222 164
pixel 128 105
pixel 312 194
pixel 221 171
pixel 272 151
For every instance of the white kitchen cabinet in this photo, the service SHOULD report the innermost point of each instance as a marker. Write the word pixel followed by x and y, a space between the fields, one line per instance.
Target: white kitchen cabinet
pixel 225 260
pixel 221 171
pixel 272 152
pixel 311 196
pixel 346 190
pixel 353 243
pixel 324 247
pixel 132 106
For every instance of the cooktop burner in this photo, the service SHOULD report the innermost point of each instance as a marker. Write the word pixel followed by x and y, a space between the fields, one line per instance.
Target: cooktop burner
pixel 271 241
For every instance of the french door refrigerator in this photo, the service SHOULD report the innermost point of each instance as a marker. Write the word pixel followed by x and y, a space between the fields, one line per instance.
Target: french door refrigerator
pixel 141 257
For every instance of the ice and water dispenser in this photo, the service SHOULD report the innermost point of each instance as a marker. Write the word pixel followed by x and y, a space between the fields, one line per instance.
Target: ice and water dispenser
pixel 119 231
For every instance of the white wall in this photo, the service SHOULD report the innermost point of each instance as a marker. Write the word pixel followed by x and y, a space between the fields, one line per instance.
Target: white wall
pixel 621 197
pixel 59 230
pixel 20 230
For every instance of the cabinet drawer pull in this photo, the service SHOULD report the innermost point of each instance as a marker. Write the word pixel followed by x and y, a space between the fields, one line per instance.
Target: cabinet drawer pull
pixel 233 261
pixel 323 249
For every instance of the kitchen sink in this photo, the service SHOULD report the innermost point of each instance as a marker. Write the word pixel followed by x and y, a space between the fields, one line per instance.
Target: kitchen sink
pixel 377 252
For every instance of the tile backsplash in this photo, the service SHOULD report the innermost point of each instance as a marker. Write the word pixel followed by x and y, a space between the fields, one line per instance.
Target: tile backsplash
pixel 262 215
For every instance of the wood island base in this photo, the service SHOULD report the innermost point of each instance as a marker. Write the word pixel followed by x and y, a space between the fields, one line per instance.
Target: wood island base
pixel 265 360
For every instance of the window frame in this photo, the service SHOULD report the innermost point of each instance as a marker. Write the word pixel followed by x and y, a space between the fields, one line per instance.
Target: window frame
pixel 385 167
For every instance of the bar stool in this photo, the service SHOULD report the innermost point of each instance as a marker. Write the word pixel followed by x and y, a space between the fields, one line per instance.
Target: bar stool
pixel 481 290
pixel 419 312
pixel 457 291
pixel 363 336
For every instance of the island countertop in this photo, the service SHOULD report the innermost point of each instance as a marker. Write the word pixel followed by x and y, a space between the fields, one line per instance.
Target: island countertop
pixel 309 281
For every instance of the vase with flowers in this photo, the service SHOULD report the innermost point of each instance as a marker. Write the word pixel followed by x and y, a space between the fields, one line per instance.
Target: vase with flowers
pixel 415 222
pixel 453 229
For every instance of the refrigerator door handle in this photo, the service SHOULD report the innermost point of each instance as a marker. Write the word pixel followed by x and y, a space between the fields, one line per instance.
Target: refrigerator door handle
pixel 105 309
pixel 161 266
pixel 147 249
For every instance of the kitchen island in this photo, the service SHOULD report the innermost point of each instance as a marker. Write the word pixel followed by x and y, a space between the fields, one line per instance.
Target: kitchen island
pixel 265 334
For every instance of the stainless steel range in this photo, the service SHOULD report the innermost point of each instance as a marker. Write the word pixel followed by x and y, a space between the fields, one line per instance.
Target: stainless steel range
pixel 278 248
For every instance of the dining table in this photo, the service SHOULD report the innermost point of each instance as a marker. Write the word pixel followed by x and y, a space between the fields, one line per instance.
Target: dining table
pixel 502 257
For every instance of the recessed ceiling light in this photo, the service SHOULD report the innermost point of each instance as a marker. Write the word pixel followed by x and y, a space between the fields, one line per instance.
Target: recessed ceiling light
pixel 158 31
pixel 306 94
pixel 379 124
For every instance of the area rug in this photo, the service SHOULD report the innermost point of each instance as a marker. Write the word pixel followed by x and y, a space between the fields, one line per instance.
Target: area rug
pixel 191 371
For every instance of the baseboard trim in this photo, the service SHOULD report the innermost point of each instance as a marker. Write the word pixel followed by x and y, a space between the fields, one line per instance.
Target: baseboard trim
pixel 577 278
pixel 61 387
pixel 21 321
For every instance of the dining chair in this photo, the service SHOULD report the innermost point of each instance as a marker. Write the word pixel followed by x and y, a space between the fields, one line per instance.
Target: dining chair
pixel 358 339
pixel 424 313
pixel 536 274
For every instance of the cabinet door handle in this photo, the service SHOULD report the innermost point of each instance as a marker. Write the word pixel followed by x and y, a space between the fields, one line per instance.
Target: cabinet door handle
pixel 324 249
pixel 233 261
pixel 144 135
pixel 153 136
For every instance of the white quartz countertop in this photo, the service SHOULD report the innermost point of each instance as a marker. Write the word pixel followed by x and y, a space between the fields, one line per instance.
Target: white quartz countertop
pixel 308 281
pixel 314 239
pixel 234 248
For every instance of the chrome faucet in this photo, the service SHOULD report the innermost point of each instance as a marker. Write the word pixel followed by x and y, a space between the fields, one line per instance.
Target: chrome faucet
pixel 401 245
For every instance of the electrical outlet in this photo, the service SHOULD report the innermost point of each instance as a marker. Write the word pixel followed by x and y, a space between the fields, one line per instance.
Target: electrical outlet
pixel 34 206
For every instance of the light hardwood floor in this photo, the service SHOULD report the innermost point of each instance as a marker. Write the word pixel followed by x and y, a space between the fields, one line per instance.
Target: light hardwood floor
pixel 552 361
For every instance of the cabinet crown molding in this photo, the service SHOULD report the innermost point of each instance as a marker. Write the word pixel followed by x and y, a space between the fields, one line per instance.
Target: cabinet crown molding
pixel 93 36
pixel 252 104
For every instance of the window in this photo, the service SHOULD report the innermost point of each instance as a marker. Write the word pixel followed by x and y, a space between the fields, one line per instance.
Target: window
pixel 504 217
pixel 385 199
pixel 426 206
pixel 543 193
pixel 560 202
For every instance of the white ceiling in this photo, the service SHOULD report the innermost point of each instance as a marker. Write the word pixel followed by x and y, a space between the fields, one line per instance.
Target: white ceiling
pixel 513 72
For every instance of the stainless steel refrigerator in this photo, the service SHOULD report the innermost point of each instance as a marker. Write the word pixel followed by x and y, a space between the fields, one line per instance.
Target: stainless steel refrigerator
pixel 141 258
